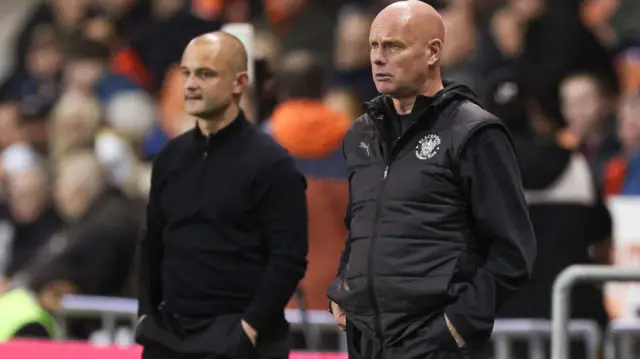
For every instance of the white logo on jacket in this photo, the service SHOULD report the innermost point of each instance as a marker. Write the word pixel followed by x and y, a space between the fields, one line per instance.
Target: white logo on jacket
pixel 365 146
pixel 428 147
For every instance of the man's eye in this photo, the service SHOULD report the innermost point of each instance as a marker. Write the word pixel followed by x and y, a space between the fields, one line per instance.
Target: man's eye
pixel 207 74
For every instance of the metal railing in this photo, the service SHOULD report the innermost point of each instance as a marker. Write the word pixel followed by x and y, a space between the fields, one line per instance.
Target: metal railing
pixel 620 339
pixel 562 293
pixel 110 310
pixel 534 331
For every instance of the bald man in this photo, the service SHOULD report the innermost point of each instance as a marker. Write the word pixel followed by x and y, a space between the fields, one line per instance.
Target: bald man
pixel 439 233
pixel 226 238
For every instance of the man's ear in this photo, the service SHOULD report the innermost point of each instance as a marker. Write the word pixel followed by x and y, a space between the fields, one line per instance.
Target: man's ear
pixel 435 51
pixel 241 83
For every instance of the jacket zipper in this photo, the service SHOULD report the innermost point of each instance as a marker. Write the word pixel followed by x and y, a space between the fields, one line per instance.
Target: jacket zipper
pixel 388 155
pixel 374 236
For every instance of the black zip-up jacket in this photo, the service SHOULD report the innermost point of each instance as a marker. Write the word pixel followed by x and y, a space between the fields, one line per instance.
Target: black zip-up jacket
pixel 226 227
pixel 437 220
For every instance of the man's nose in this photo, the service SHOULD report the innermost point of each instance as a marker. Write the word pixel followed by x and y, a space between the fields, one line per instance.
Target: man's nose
pixel 190 83
pixel 377 57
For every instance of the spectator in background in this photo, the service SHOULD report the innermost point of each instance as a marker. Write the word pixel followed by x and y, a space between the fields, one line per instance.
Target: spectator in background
pixel 124 60
pixel 571 223
pixel 301 24
pixel 74 123
pixel 628 64
pixel 77 123
pixel 312 133
pixel 351 55
pixel 267 52
pixel 93 255
pixel 133 117
pixel 102 227
pixel 87 70
pixel 130 17
pixel 344 101
pixel 459 17
pixel 546 40
pixel 33 216
pixel 622 173
pixel 590 118
pixel 9 124
pixel 172 24
pixel 120 163
pixel 39 86
pixel 64 17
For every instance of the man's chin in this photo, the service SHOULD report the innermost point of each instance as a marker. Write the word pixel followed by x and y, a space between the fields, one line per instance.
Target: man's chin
pixel 198 113
pixel 385 89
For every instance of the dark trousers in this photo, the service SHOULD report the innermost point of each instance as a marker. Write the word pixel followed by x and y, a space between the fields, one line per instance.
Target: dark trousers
pixel 271 350
pixel 433 341
pixel 224 338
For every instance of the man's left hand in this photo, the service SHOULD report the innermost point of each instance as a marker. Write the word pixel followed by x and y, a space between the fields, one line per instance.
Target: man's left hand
pixel 454 333
pixel 252 334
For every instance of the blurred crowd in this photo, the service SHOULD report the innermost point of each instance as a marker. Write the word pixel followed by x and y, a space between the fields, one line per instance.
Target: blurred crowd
pixel 87 104
pixel 95 92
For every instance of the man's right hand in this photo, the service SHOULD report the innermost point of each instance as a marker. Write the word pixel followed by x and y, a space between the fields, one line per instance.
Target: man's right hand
pixel 339 316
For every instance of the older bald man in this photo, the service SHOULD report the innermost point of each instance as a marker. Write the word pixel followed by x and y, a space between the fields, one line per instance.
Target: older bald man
pixel 226 239
pixel 439 232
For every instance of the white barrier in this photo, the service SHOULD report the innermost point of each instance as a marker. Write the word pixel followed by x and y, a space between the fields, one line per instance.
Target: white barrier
pixel 562 293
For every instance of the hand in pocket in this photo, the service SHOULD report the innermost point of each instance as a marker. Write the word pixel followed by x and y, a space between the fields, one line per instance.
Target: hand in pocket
pixel 249 332
pixel 454 332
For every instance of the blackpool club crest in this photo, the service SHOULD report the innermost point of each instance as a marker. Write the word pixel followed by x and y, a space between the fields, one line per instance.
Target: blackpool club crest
pixel 428 147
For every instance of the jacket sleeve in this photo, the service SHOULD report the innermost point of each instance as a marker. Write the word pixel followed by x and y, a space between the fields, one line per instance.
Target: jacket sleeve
pixel 151 250
pixel 344 257
pixel 492 183
pixel 282 215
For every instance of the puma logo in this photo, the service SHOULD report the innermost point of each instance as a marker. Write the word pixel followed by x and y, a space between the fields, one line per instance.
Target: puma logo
pixel 365 146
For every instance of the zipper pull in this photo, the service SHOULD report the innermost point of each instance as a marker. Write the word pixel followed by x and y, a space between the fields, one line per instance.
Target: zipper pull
pixel 386 171
pixel 205 154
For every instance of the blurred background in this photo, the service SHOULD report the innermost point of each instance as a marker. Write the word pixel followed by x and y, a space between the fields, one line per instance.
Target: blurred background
pixel 90 92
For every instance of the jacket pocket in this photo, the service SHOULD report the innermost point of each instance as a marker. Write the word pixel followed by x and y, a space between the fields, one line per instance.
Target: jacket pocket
pixel 243 348
pixel 439 334
pixel 138 330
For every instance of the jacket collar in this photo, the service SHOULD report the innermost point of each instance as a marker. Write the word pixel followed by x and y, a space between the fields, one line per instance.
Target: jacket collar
pixel 233 130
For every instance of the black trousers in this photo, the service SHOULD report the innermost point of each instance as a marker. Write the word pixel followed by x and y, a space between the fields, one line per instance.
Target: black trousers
pixel 224 338
pixel 433 341
pixel 271 350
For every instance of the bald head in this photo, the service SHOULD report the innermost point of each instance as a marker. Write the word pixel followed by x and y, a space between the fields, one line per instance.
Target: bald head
pixel 214 69
pixel 406 41
pixel 229 46
pixel 418 19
